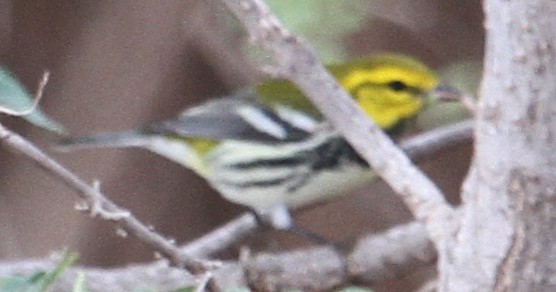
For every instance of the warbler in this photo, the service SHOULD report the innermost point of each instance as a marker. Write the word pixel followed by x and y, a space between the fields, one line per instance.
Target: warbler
pixel 268 148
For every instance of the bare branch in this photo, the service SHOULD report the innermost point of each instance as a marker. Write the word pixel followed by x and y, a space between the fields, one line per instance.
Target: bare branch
pixel 427 144
pixel 468 101
pixel 102 205
pixel 222 237
pixel 296 59
pixel 393 253
pixel 375 258
pixel 397 252
pixel 506 238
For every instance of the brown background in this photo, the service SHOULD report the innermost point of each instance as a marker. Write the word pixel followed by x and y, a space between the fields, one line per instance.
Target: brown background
pixel 120 64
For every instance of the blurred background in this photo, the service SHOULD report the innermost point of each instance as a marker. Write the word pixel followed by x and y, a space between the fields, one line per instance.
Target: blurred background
pixel 119 64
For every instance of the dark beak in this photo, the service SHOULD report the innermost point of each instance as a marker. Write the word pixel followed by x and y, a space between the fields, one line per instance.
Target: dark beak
pixel 445 92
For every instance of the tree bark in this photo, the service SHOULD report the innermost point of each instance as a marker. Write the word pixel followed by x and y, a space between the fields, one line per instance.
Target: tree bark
pixel 508 223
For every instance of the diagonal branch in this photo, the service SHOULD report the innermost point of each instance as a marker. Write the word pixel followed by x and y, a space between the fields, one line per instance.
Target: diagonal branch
pixel 98 203
pixel 296 60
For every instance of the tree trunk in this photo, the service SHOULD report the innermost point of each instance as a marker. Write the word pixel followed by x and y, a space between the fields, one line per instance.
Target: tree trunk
pixel 508 223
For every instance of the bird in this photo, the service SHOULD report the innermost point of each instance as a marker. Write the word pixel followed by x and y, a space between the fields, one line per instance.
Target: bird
pixel 269 149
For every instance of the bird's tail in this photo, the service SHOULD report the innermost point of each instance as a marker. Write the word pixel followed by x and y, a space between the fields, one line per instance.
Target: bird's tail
pixel 104 140
pixel 177 150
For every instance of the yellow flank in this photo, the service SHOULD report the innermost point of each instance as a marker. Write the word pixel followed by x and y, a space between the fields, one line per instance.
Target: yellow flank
pixel 195 153
pixel 201 146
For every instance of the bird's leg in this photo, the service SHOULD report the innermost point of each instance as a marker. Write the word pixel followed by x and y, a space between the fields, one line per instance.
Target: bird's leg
pixel 276 217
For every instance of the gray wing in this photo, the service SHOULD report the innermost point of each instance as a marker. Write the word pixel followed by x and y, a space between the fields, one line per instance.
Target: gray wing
pixel 236 119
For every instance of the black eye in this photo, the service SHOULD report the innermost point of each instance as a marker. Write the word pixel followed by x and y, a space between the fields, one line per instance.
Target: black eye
pixel 397 85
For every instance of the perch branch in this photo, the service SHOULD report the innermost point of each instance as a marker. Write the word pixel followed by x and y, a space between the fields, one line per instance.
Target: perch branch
pixel 393 253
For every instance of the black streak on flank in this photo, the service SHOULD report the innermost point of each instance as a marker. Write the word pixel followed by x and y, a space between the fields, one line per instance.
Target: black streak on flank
pixel 269 163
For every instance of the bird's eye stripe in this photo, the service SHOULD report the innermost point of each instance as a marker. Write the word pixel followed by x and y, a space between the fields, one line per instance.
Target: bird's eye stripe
pixel 382 76
pixel 401 86
pixel 397 85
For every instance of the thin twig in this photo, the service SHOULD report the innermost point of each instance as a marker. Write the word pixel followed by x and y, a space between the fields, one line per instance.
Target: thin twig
pixel 222 237
pixel 296 59
pixel 428 143
pixel 101 205
pixel 468 101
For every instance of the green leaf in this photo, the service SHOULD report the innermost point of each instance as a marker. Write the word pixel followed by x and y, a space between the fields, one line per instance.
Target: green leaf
pixel 50 278
pixel 38 282
pixel 22 284
pixel 80 284
pixel 15 97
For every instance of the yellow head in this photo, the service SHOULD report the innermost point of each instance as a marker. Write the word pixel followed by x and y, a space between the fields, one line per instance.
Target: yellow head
pixel 389 88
